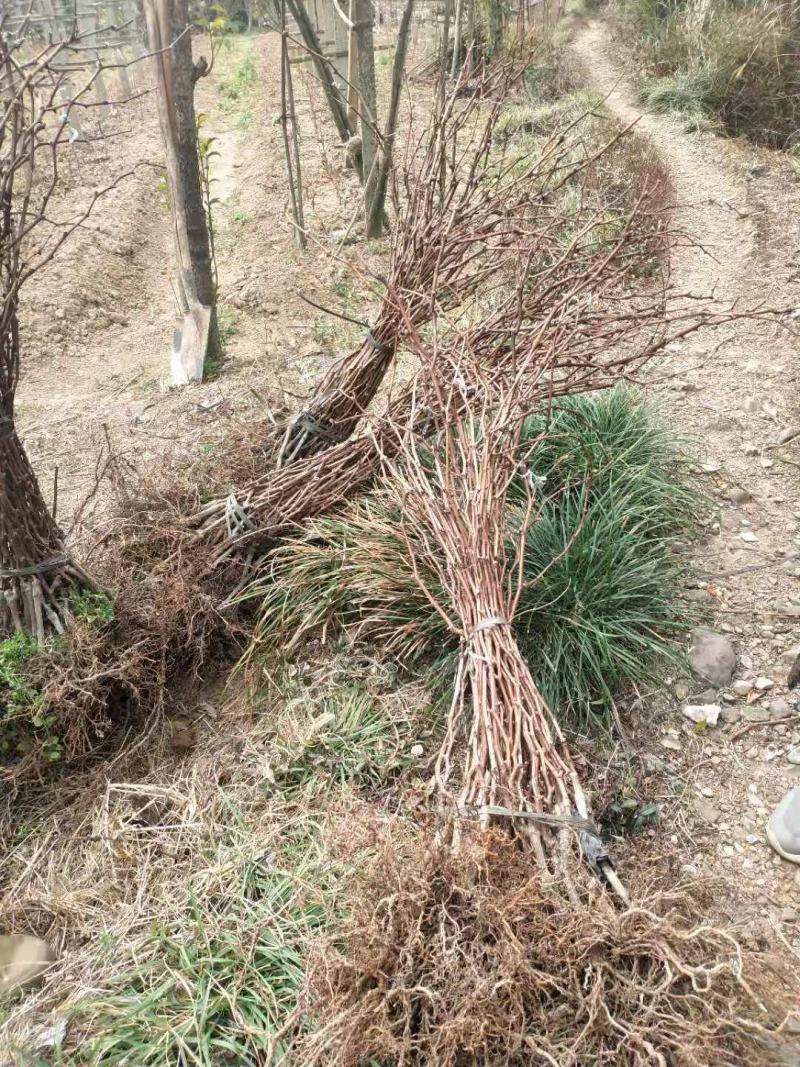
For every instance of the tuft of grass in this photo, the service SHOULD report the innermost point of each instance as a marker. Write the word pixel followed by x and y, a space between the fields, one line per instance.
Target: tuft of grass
pixel 694 94
pixel 736 62
pixel 241 81
pixel 242 217
pixel 18 698
pixel 344 739
pixel 91 607
pixel 213 985
pixel 613 499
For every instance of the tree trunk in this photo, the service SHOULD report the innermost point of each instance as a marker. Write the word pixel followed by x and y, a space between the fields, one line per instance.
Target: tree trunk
pixel 457 32
pixel 352 70
pixel 336 103
pixel 36 574
pixel 169 35
pixel 290 140
pixel 367 98
pixel 376 208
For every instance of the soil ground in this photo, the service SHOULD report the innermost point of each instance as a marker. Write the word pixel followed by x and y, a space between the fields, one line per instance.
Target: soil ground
pixel 731 393
pixel 99 322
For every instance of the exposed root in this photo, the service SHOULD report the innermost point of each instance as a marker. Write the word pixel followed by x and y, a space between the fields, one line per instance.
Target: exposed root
pixel 474 957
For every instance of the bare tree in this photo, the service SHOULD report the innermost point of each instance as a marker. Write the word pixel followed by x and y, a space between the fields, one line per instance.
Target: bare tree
pixel 170 41
pixel 291 142
pixel 336 103
pixel 376 205
pixel 367 97
pixel 38 577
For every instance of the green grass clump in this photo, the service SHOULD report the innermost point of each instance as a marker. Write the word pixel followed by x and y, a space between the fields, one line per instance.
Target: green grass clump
pixel 694 94
pixel 212 986
pixel 92 607
pixel 613 501
pixel 241 81
pixel 15 651
pixel 24 724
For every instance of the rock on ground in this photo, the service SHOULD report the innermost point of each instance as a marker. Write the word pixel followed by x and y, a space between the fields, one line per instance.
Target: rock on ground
pixel 712 656
pixel 23 960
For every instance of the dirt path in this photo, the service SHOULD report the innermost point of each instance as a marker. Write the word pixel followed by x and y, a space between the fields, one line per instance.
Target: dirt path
pixel 733 394
pixel 98 320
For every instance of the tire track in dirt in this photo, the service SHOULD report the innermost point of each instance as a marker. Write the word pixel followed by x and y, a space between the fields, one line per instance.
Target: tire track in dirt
pixel 730 392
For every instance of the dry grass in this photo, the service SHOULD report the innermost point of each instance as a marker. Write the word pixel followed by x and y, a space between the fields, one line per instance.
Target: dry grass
pixel 181 895
pixel 735 64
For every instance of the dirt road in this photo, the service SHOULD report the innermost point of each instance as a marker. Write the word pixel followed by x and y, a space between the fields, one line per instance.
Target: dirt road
pixel 733 393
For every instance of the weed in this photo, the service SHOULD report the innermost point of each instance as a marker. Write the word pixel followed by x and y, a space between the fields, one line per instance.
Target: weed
pixel 91 607
pixel 18 698
pixel 242 217
pixel 241 81
pixel 206 152
pixel 329 335
pixel 214 984
pixel 227 319
pixel 344 290
pixel 694 94
pixel 345 738
pixel 735 62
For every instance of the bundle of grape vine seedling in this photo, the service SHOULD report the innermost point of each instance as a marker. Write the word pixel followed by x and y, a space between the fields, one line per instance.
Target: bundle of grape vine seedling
pixel 500 932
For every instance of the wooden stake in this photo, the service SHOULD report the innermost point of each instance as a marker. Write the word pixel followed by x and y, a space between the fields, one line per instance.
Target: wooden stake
pixel 169 37
pixel 291 146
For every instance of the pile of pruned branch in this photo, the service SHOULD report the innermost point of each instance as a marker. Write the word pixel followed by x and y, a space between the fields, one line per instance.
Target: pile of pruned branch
pixel 483 241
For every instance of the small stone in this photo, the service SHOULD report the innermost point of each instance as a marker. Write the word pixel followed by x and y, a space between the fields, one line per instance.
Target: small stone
pixel 741 687
pixel 703 713
pixel 756 714
pixel 710 467
pixel 707 812
pixel 708 696
pixel 752 404
pixel 681 690
pixel 672 743
pixel 739 496
pixel 730 716
pixel 788 434
pixel 417 750
pixel 750 449
pixel 748 536
pixel 762 684
pixel 794 756
pixel 712 656
pixel 788 915
pixel 780 708
pixel 23 961
pixel 707 791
